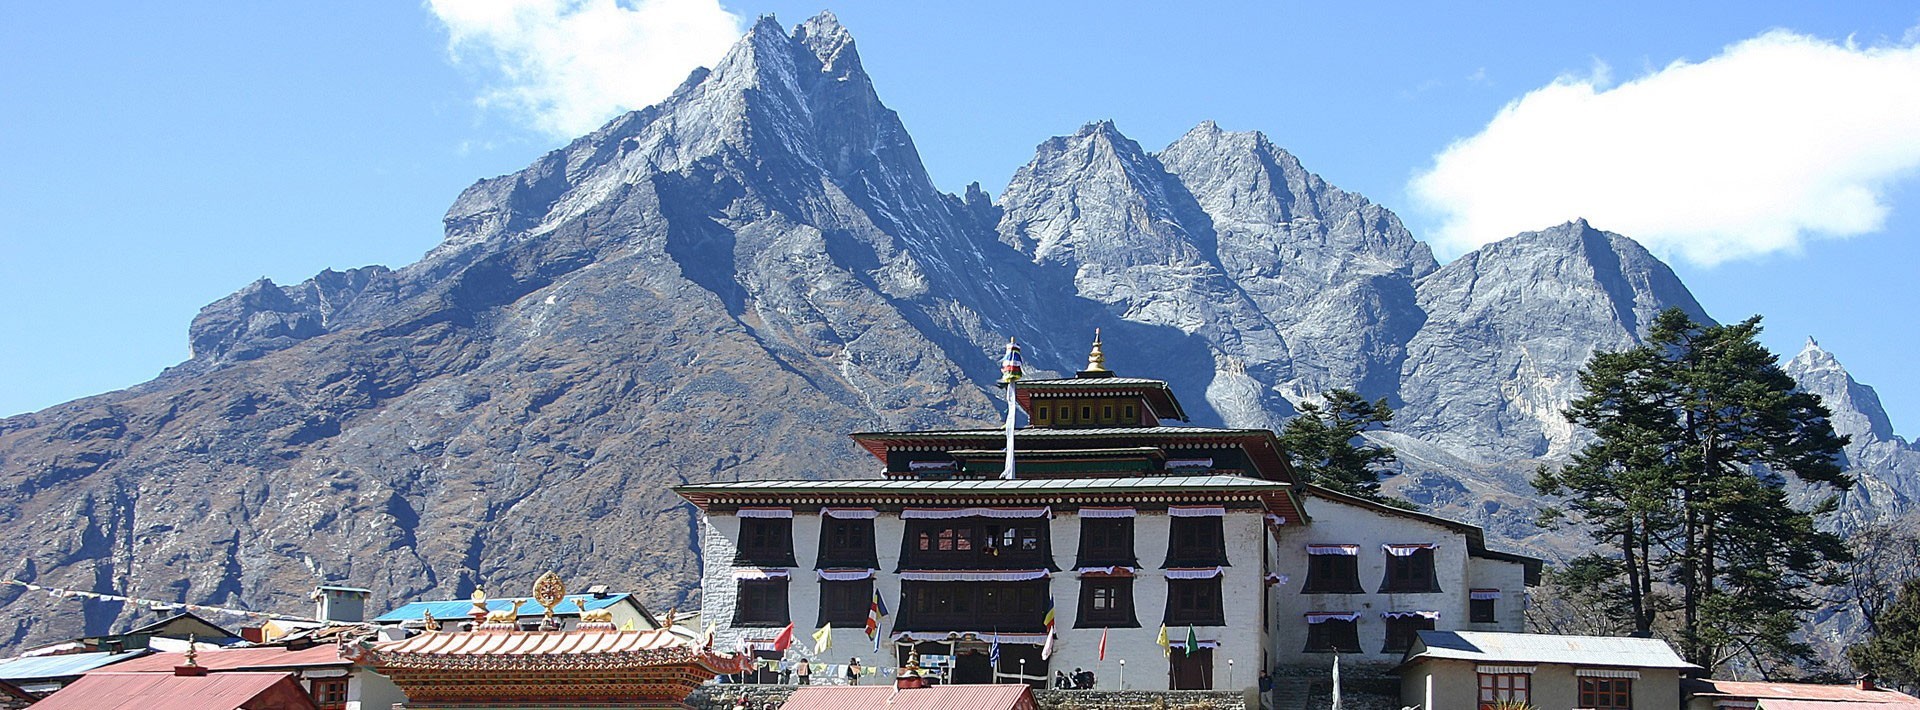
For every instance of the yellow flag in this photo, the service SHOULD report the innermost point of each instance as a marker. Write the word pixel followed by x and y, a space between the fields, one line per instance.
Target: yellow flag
pixel 823 639
pixel 1166 647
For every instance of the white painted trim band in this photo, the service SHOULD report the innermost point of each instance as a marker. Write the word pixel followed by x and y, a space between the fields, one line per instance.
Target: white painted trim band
pixel 766 513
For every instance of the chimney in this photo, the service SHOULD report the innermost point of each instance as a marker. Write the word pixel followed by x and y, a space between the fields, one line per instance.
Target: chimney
pixel 340 604
pixel 1868 682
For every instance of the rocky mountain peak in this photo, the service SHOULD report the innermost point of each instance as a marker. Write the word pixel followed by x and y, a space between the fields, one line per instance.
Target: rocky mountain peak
pixel 1856 407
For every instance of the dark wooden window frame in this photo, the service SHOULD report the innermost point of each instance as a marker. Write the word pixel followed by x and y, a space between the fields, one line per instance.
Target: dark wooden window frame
pixel 845 603
pixel 977 543
pixel 1011 607
pixel 765 542
pixel 1402 631
pixel 1177 657
pixel 329 693
pixel 1606 693
pixel 1333 574
pixel 847 543
pixel 1106 603
pixel 1518 688
pixel 1107 542
pixel 761 603
pixel 1195 602
pixel 1410 574
pixel 1482 611
pixel 1198 541
pixel 1333 635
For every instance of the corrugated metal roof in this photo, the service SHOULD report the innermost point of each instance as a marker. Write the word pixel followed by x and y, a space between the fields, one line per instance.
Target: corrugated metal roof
pixel 530 643
pixel 1548 648
pixel 61 666
pixel 1760 690
pixel 883 697
pixel 240 659
pixel 1779 704
pixel 1024 485
pixel 166 691
pixel 457 609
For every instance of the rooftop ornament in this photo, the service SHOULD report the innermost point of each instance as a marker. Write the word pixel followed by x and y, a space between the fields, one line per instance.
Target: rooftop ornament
pixel 1096 360
pixel 549 591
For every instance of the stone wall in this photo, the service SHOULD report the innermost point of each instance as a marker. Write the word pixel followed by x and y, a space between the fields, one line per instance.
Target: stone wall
pixel 769 697
pixel 1362 687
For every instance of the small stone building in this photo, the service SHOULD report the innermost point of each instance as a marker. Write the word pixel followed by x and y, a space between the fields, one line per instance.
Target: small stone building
pixel 1455 670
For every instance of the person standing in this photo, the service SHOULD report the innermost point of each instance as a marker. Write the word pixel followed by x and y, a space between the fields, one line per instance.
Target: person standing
pixel 853 671
pixel 802 673
pixel 1266 689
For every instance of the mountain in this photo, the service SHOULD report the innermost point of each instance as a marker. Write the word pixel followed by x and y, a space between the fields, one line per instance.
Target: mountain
pixel 721 286
pixel 1887 467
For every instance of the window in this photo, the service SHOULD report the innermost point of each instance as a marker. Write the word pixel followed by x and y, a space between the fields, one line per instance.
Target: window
pixel 1480 611
pixel 766 542
pixel 1409 571
pixel 761 603
pixel 1040 415
pixel 329 693
pixel 1332 574
pixel 1106 413
pixel 1012 607
pixel 1333 634
pixel 977 543
pixel 846 543
pixel 1196 542
pixel 1086 412
pixel 1606 693
pixel 1507 687
pixel 1107 542
pixel 1194 602
pixel 845 604
pixel 1131 419
pixel 1106 603
pixel 1403 630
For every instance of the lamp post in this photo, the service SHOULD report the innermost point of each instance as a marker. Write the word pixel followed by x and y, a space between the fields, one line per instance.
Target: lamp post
pixel 1123 674
pixel 1023 671
pixel 1229 673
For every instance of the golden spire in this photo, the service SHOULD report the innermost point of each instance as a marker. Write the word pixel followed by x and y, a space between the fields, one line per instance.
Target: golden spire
pixel 193 652
pixel 428 622
pixel 1096 359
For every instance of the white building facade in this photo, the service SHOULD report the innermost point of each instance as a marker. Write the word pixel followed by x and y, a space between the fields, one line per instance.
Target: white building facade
pixel 1125 528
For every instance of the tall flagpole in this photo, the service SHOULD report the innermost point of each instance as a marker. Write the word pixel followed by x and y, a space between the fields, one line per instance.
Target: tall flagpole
pixel 1010 372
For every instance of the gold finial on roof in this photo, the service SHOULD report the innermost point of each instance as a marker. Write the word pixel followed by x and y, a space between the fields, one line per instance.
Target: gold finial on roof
pixel 193 652
pixel 549 591
pixel 479 610
pixel 1097 359
pixel 428 622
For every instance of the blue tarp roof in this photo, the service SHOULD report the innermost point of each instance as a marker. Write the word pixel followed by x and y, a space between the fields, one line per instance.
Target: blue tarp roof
pixel 456 609
pixel 61 666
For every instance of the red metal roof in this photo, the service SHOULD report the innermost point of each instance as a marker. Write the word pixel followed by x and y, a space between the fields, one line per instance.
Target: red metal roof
pixel 166 691
pixel 939 697
pixel 233 659
pixel 1830 694
pixel 1779 704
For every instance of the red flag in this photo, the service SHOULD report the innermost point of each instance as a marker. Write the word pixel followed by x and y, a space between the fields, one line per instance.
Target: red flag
pixel 1103 644
pixel 785 639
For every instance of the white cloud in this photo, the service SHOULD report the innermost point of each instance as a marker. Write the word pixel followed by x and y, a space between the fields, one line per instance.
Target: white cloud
pixel 566 66
pixel 1779 139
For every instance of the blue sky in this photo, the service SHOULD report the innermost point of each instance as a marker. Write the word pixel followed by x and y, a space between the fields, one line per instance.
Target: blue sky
pixel 154 159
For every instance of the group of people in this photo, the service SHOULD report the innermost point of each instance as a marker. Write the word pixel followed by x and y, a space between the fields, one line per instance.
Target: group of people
pixel 800 673
pixel 1081 679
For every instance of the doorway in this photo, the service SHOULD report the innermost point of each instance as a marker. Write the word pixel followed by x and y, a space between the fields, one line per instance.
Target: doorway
pixel 1190 671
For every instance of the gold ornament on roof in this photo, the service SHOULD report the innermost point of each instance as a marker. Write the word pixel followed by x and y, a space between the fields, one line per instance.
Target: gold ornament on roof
pixel 428 622
pixel 193 651
pixel 597 615
pixel 1097 359
pixel 548 590
pixel 507 616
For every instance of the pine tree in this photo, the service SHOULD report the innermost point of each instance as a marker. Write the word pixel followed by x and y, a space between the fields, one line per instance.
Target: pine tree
pixel 1893 653
pixel 1322 444
pixel 1695 432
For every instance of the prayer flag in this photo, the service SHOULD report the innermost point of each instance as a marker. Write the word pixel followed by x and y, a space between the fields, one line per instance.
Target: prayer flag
pixel 1010 363
pixel 1009 373
pixel 1166 646
pixel 823 639
pixel 993 652
pixel 785 639
pixel 1193 642
pixel 1103 644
